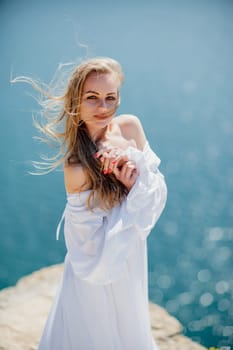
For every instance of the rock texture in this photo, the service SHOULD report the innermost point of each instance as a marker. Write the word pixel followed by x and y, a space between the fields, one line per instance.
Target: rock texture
pixel 24 308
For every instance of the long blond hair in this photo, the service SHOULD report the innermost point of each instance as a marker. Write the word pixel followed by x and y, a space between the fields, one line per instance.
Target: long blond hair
pixel 63 125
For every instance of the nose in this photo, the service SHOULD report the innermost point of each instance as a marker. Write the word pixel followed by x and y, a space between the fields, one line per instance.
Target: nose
pixel 102 104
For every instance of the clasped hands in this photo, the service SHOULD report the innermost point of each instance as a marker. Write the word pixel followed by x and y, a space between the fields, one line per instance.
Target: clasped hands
pixel 115 161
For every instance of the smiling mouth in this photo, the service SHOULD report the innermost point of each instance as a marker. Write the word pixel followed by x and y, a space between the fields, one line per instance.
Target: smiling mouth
pixel 101 116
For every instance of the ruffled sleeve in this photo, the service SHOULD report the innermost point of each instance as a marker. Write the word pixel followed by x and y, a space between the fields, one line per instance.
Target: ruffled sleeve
pixel 99 243
pixel 147 198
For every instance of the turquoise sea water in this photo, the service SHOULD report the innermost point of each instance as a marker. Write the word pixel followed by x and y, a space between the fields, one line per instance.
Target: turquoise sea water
pixel 177 57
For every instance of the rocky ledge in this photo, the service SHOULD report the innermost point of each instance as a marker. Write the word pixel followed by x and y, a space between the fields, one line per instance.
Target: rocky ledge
pixel 24 309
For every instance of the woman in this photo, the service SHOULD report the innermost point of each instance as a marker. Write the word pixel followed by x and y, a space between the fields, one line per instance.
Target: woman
pixel 115 195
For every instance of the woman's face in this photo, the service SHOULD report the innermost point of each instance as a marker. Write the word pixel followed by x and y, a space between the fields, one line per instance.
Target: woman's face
pixel 99 100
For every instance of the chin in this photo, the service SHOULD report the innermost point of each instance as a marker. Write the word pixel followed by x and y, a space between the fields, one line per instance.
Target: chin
pixel 98 125
pixel 101 123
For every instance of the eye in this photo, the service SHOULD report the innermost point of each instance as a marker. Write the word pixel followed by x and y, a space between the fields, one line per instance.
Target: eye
pixel 91 97
pixel 111 98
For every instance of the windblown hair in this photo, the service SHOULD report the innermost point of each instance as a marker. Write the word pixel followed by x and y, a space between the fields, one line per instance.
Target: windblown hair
pixel 63 124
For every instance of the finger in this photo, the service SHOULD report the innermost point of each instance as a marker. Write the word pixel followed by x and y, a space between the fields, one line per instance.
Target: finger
pixel 130 177
pixel 128 169
pixel 115 152
pixel 125 170
pixel 101 152
pixel 113 156
pixel 106 165
pixel 120 160
pixel 115 169
pixel 109 161
pixel 131 173
pixel 120 166
pixel 109 152
pixel 133 178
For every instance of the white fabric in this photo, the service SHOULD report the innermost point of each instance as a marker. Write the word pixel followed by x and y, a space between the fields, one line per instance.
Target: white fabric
pixel 102 301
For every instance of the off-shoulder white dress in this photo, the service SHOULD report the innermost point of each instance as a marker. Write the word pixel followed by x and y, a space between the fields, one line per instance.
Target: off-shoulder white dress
pixel 102 301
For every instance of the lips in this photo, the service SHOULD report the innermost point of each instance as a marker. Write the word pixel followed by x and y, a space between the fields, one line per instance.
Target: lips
pixel 101 116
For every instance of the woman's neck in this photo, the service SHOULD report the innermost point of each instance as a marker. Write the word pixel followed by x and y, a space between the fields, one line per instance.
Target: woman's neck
pixel 101 135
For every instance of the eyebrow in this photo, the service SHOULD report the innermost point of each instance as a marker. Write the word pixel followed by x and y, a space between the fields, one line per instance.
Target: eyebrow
pixel 94 92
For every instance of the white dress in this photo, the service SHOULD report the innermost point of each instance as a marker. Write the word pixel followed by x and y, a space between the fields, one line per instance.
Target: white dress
pixel 102 301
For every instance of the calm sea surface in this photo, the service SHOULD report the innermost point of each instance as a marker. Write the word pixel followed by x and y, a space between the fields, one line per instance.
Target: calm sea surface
pixel 177 57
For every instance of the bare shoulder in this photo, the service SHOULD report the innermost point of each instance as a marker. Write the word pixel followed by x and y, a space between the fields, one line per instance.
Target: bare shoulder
pixel 132 129
pixel 75 179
